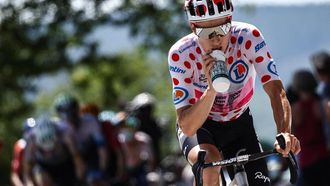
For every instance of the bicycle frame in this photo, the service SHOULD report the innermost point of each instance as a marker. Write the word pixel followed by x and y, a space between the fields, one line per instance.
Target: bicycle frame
pixel 240 160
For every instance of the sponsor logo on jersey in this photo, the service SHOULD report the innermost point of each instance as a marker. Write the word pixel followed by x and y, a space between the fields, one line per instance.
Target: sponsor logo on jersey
pixel 177 70
pixel 272 68
pixel 220 101
pixel 243 30
pixel 179 95
pixel 203 78
pixel 238 71
pixel 232 97
pixel 200 86
pixel 260 46
pixel 187 47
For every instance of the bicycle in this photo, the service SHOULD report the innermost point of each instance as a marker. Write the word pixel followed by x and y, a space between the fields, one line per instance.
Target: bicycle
pixel 240 177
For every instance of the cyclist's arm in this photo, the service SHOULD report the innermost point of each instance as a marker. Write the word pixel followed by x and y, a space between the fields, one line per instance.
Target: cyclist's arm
pixel 28 174
pixel 16 163
pixel 16 181
pixel 280 105
pixel 282 115
pixel 28 163
pixel 191 118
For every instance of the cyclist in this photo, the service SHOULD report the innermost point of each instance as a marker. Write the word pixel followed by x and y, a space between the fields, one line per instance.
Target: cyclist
pixel 18 154
pixel 222 122
pixel 142 107
pixel 92 144
pixel 51 156
pixel 116 161
pixel 137 147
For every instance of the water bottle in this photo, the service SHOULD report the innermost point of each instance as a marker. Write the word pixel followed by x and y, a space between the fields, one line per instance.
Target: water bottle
pixel 219 73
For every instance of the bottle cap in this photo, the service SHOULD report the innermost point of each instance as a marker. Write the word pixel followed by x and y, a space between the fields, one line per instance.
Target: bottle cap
pixel 218 54
pixel 221 84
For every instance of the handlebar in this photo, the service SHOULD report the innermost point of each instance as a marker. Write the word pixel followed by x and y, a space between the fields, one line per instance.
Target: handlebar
pixel 198 167
pixel 292 162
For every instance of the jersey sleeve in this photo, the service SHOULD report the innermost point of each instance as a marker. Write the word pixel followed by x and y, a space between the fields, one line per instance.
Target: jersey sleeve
pixel 257 52
pixel 181 72
pixel 16 163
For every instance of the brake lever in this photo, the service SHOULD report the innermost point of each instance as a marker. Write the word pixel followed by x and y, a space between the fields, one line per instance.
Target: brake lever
pixel 293 166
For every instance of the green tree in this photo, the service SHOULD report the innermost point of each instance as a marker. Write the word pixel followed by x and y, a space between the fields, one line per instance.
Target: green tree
pixel 39 38
pixel 36 39
pixel 158 23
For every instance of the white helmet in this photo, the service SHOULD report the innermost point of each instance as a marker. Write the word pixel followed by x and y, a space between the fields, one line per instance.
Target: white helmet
pixel 141 100
pixel 205 10
pixel 45 133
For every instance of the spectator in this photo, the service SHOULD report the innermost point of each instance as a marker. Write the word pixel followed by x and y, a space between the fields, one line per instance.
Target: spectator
pixel 314 159
pixel 142 107
pixel 137 149
pixel 19 148
pixel 321 63
pixel 51 156
pixel 92 144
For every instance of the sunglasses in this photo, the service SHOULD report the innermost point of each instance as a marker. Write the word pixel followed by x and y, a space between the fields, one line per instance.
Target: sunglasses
pixel 210 32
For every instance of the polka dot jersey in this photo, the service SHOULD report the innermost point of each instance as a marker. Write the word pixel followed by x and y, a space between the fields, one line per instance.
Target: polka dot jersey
pixel 247 57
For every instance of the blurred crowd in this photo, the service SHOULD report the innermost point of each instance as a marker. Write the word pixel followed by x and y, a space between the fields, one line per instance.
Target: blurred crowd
pixel 82 145
pixel 309 96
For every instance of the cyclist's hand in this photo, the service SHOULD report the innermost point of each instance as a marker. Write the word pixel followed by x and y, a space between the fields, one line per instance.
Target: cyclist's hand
pixel 291 144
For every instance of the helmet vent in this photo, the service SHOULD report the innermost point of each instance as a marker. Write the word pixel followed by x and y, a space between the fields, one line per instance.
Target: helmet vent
pixel 191 8
pixel 204 10
pixel 227 4
pixel 200 10
pixel 220 7
pixel 210 7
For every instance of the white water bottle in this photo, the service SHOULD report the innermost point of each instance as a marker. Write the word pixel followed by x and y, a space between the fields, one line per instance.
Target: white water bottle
pixel 219 73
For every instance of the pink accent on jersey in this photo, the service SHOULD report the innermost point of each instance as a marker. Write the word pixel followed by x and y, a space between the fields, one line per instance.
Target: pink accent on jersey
pixel 247 57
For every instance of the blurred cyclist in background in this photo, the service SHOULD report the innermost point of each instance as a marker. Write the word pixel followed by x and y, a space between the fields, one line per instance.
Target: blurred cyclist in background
pixel 116 163
pixel 142 107
pixel 87 131
pixel 115 167
pixel 18 154
pixel 137 148
pixel 51 156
